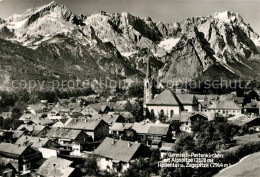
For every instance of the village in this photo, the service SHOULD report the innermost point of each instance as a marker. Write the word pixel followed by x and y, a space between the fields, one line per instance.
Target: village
pixel 57 138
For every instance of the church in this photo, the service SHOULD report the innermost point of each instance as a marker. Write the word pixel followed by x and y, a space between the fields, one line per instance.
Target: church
pixel 167 103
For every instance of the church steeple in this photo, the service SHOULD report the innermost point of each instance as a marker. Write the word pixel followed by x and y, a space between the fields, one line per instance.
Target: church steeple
pixel 148 84
pixel 148 72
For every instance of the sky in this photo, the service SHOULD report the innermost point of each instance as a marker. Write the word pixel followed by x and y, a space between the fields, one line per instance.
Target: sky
pixel 158 10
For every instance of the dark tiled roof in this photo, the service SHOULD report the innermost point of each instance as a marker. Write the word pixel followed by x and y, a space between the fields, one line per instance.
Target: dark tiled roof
pixel 33 129
pixel 167 97
pixel 187 99
pixel 33 141
pixel 63 133
pixel 117 149
pixel 83 124
pixel 14 149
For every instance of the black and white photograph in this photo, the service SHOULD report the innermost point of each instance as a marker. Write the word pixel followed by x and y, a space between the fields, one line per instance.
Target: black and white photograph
pixel 130 88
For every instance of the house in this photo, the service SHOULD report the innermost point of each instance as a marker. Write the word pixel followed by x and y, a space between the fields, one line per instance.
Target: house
pixel 109 119
pixel 54 113
pixel 89 99
pixel 251 108
pixel 97 129
pixel 117 155
pixel 36 142
pixel 63 102
pixel 187 119
pixel 10 136
pixel 250 122
pixel 39 119
pixel 119 105
pixel 166 148
pixel 152 132
pixel 225 108
pixel 34 130
pixel 72 106
pixel 62 123
pixel 74 140
pixel 111 99
pixel 21 158
pixel 117 129
pixel 97 108
pixel 36 108
pixel 7 172
pixel 128 117
pixel 54 166
pixel 46 146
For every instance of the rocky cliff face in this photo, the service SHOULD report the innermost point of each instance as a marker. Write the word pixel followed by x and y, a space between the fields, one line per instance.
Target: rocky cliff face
pixel 222 39
pixel 104 44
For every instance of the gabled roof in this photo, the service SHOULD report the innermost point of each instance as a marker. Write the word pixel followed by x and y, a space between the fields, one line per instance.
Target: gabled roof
pixel 33 129
pixel 225 105
pixel 187 99
pixel 57 167
pixel 242 120
pixel 35 142
pixel 121 126
pixel 63 133
pixel 42 121
pixel 98 107
pixel 13 149
pixel 167 97
pixel 151 128
pixel 37 119
pixel 84 124
pixel 109 119
pixel 117 149
pixel 125 114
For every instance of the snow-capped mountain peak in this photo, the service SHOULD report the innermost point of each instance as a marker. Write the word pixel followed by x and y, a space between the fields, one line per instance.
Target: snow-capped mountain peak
pixel 197 44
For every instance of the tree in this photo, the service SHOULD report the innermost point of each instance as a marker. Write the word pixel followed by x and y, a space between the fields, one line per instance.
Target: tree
pixel 139 168
pixel 90 167
pixel 129 135
pixel 175 124
pixel 185 143
pixel 136 90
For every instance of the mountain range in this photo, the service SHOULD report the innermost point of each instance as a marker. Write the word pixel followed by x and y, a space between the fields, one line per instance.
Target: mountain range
pixel 51 42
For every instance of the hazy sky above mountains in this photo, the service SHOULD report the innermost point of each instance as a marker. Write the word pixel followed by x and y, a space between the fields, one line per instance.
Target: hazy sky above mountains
pixel 158 10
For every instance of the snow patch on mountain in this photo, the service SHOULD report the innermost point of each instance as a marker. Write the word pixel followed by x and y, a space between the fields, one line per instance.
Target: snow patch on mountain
pixel 169 43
